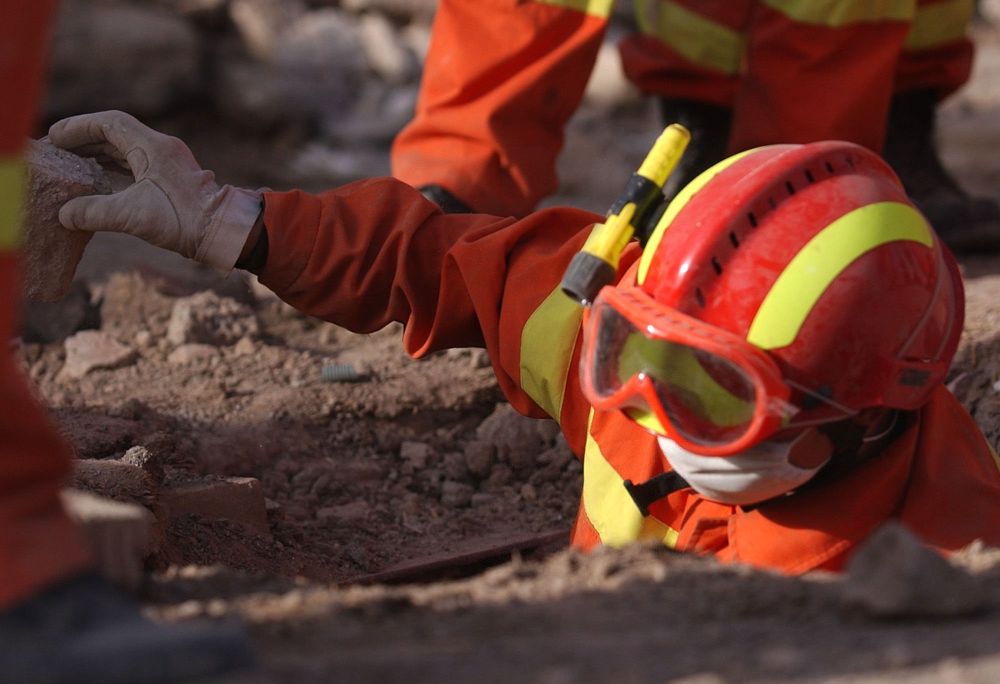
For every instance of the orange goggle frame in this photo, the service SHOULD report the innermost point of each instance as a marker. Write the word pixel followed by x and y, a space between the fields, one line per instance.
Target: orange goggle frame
pixel 707 389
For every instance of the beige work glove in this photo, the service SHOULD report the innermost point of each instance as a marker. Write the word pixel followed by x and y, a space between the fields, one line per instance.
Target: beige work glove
pixel 173 203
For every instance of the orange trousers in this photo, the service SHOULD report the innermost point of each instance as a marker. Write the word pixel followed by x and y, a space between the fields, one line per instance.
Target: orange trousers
pixel 503 77
pixel 38 543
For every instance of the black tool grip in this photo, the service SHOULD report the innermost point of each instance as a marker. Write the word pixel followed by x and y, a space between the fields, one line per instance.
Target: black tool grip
pixel 585 277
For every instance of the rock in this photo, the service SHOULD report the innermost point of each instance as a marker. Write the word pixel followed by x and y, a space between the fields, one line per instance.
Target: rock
pixel 456 494
pixel 387 55
pixel 150 461
pixel 237 499
pixel 115 480
pixel 130 302
pixel 245 347
pixel 55 321
pixel 192 353
pixel 479 458
pixel 206 318
pixel 348 514
pixel 51 253
pixel 895 576
pixel 454 467
pixel 119 534
pixel 135 58
pixel 88 350
pixel 515 437
pixel 259 22
pixel 415 456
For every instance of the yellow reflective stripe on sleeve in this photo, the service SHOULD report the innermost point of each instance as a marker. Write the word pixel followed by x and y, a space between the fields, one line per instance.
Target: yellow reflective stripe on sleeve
pixel 608 506
pixel 835 13
pixel 700 40
pixel 833 249
pixel 939 24
pixel 547 342
pixel 675 207
pixel 596 8
pixel 12 189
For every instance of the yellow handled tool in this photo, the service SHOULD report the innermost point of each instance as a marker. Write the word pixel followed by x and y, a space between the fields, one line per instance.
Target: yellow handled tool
pixel 597 263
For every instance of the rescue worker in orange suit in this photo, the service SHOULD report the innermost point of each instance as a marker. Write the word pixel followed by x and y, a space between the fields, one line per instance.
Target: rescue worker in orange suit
pixel 59 622
pixel 501 80
pixel 763 381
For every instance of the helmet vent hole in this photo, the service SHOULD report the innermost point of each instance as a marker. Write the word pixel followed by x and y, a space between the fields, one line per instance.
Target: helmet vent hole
pixel 752 219
pixel 850 162
pixel 790 187
pixel 772 203
pixel 716 265
pixel 700 297
pixel 829 167
pixel 809 176
pixel 733 239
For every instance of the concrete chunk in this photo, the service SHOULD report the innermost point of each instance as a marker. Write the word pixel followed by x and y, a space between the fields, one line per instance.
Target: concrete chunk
pixel 51 253
pixel 89 350
pixel 237 499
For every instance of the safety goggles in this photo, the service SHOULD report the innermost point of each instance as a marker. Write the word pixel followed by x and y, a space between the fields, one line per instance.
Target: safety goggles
pixel 707 389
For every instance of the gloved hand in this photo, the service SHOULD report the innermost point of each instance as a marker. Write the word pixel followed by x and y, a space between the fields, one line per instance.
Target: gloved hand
pixel 173 203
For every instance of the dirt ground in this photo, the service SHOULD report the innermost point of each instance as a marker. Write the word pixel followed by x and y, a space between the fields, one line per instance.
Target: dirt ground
pixel 400 462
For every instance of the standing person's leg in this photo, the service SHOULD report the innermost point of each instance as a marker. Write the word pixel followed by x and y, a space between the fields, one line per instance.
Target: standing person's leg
pixel 500 82
pixel 689 54
pixel 935 62
pixel 59 622
pixel 38 543
pixel 819 70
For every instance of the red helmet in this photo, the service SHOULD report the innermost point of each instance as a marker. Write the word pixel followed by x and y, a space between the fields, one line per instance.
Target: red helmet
pixel 812 254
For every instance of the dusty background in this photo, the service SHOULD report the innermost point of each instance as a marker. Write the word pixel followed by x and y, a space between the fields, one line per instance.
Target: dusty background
pixel 298 473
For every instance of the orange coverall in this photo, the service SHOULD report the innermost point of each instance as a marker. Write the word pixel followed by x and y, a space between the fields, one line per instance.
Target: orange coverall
pixel 38 543
pixel 503 77
pixel 373 252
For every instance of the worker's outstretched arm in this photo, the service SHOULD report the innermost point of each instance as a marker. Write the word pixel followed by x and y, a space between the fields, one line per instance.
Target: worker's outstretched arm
pixel 361 256
pixel 501 80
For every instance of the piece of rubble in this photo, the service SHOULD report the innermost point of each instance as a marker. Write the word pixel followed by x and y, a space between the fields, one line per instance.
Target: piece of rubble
pixel 142 457
pixel 207 318
pixel 349 513
pixel 387 55
pixel 259 22
pixel 50 252
pixel 895 576
pixel 456 494
pixel 237 499
pixel 89 350
pixel 118 533
pixel 113 479
pixel 192 353
pixel 516 437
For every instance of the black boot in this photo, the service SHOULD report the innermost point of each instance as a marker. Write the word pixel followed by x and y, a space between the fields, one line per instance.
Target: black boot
pixel 83 631
pixel 443 198
pixel 709 125
pixel 964 222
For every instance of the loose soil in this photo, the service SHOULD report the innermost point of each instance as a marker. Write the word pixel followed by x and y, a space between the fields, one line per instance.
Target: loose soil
pixel 416 461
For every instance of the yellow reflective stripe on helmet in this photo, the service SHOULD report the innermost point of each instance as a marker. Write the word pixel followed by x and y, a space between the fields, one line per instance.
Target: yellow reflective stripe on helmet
pixel 700 40
pixel 833 249
pixel 547 342
pixel 835 13
pixel 940 23
pixel 675 207
pixel 610 508
pixel 12 189
pixel 596 8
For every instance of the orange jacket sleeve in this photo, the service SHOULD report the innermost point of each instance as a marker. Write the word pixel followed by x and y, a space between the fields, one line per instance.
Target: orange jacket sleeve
pixel 501 80
pixel 376 251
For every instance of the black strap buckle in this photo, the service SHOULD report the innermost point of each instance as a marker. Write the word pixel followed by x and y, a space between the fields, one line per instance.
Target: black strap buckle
pixel 654 489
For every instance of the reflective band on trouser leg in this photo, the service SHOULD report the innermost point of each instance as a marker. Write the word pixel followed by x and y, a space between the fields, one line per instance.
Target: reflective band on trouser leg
pixel 836 13
pixel 547 343
pixel 610 508
pixel 704 42
pixel 595 8
pixel 12 188
pixel 939 23
pixel 805 279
